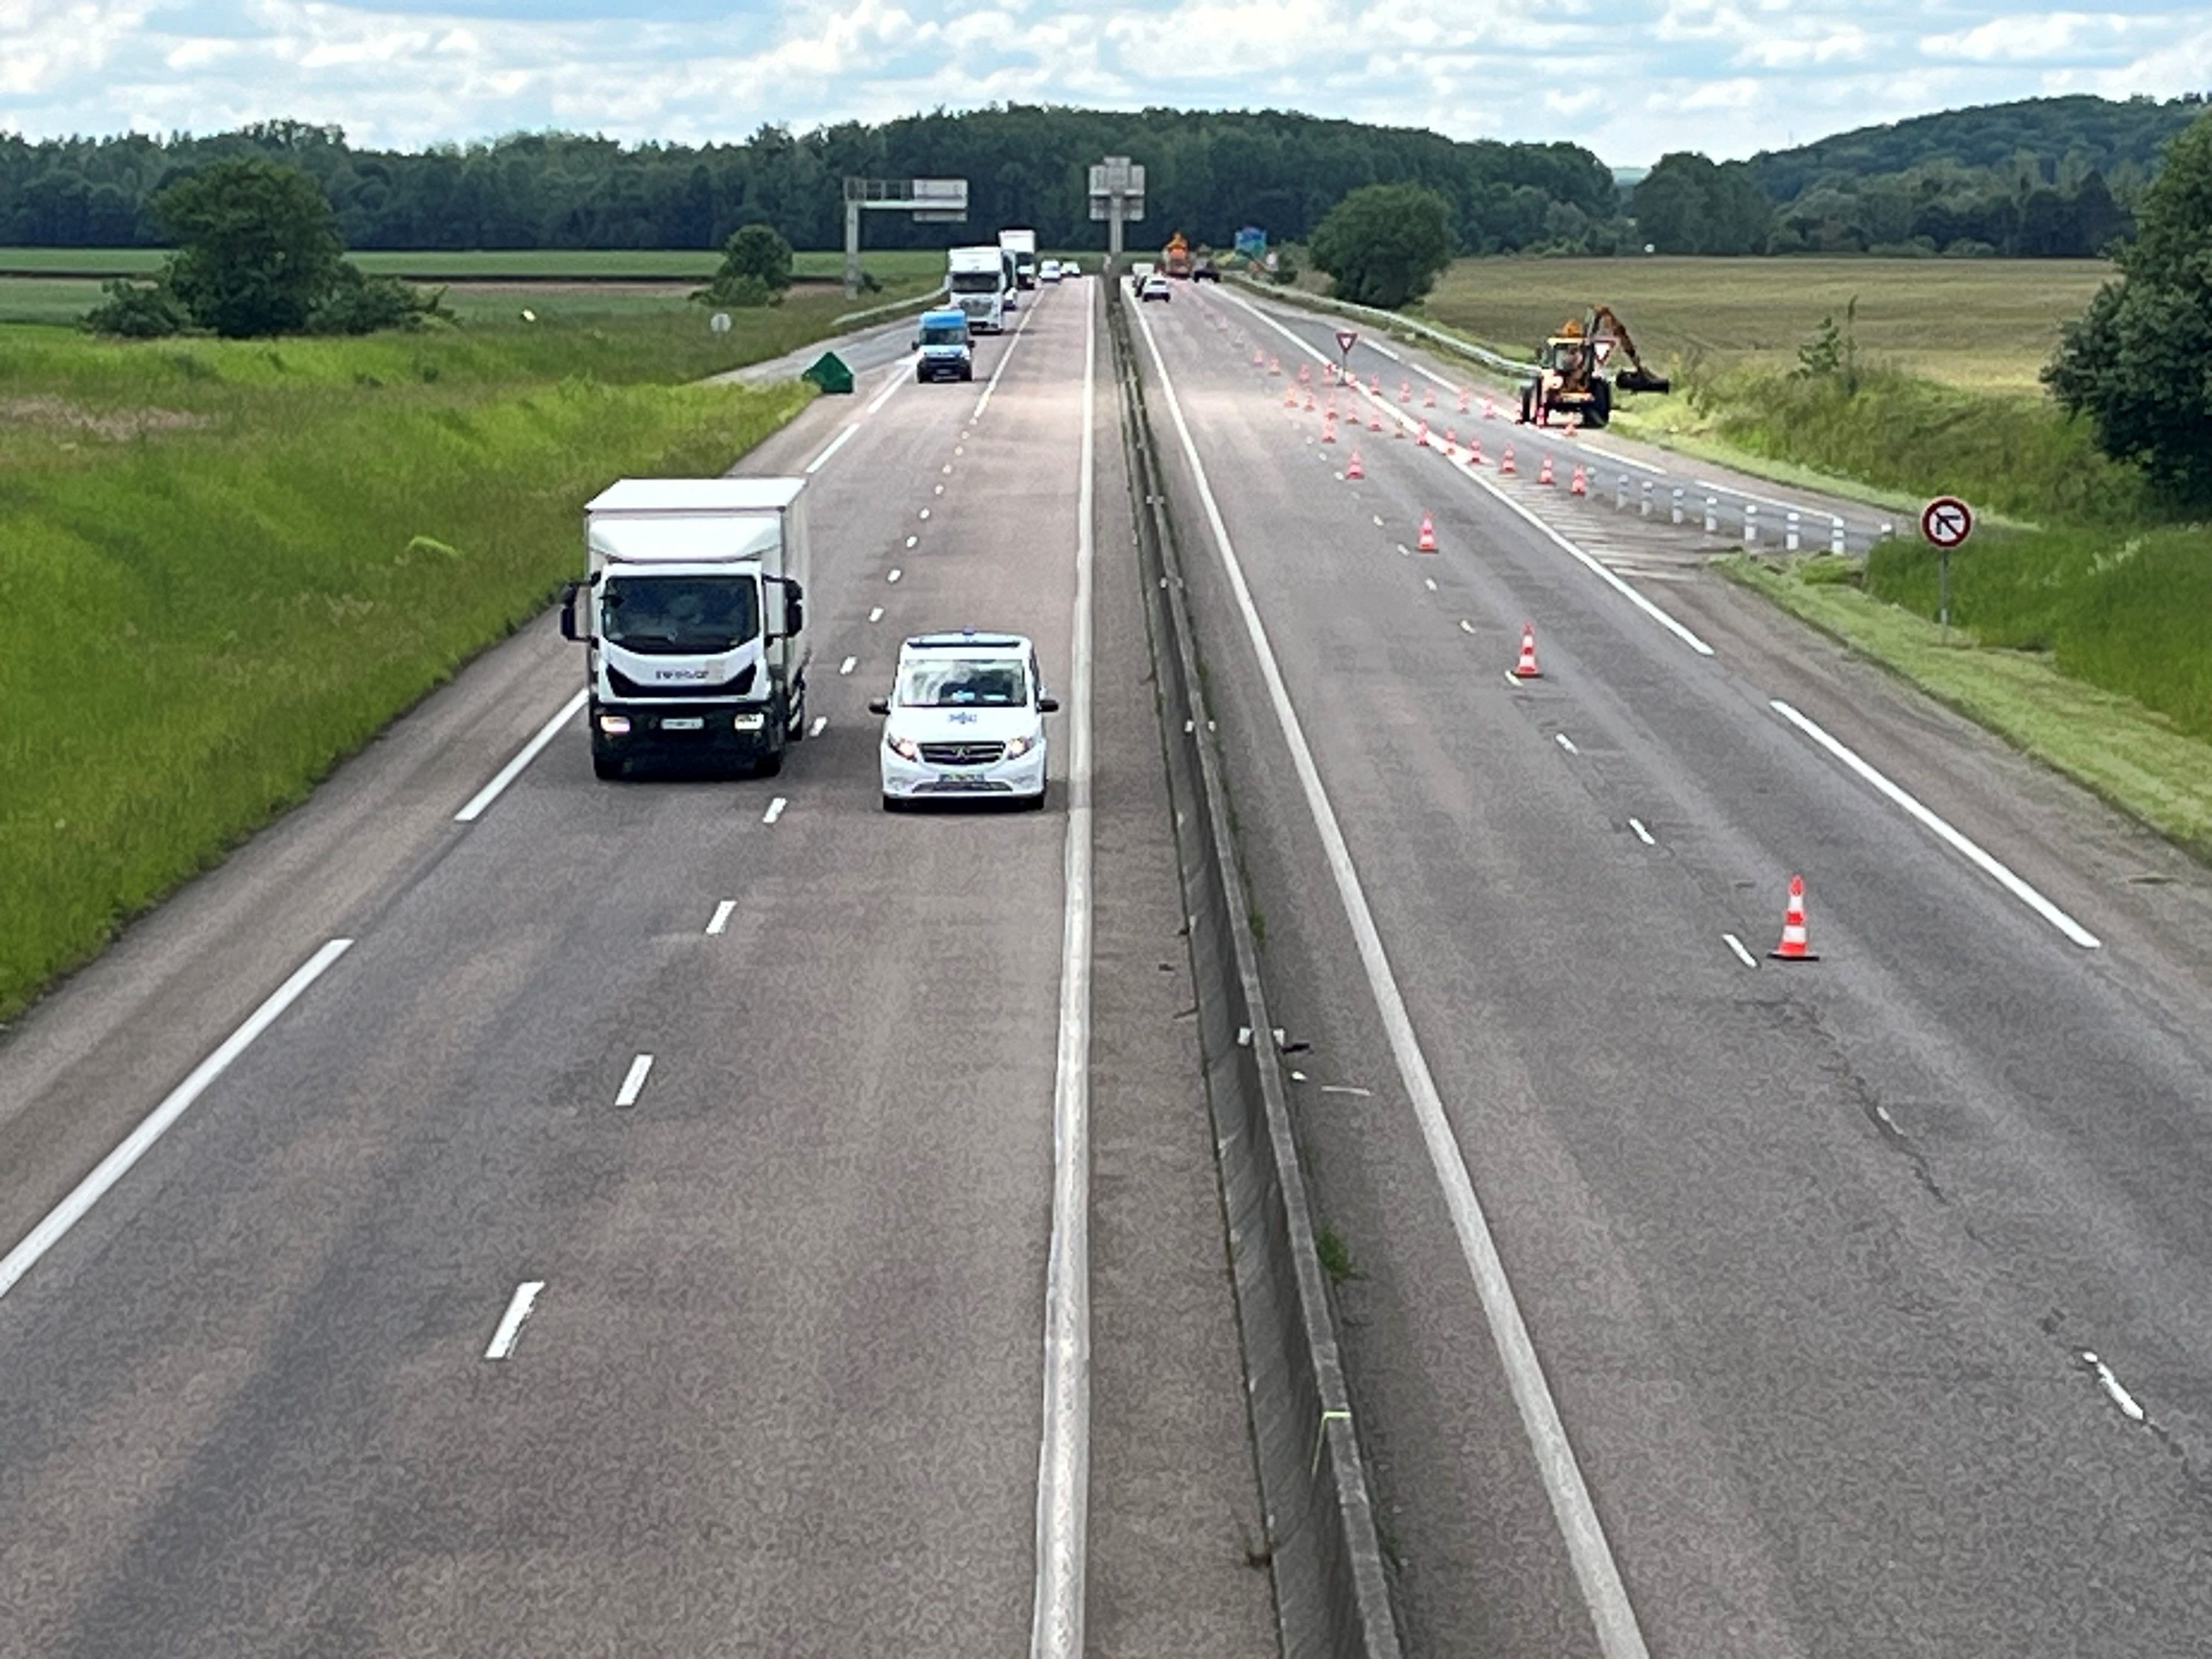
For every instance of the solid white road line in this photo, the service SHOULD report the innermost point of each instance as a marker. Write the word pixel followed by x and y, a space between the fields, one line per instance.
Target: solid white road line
pixel 901 373
pixel 510 1322
pixel 774 810
pixel 112 1168
pixel 831 448
pixel 721 919
pixel 1736 946
pixel 1595 566
pixel 1064 1454
pixel 1620 1637
pixel 1763 501
pixel 1642 833
pixel 1590 448
pixel 633 1085
pixel 1942 831
pixel 508 774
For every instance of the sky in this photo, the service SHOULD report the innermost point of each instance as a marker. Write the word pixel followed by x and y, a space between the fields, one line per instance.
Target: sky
pixel 1631 79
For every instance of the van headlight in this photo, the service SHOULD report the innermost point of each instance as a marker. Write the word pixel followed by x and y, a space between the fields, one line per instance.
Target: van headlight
pixel 904 748
pixel 751 721
pixel 1017 747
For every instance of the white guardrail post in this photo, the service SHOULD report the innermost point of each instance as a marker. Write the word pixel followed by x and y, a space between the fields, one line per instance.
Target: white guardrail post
pixel 1712 515
pixel 1835 535
pixel 1751 523
pixel 1790 531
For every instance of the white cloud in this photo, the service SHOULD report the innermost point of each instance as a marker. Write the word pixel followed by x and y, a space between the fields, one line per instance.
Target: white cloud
pixel 1630 78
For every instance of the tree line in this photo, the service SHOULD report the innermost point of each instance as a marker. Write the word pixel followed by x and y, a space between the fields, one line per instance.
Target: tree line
pixel 1208 174
pixel 2048 177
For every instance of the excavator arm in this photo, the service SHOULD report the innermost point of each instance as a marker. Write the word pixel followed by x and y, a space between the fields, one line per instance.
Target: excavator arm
pixel 1604 321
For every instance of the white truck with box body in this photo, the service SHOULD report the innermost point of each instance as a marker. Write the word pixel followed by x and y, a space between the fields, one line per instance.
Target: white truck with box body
pixel 692 614
pixel 977 279
pixel 1022 244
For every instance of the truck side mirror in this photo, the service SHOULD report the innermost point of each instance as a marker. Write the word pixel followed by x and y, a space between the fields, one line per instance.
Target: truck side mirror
pixel 568 612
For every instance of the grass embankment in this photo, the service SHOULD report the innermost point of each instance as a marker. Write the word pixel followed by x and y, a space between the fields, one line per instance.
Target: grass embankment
pixel 228 564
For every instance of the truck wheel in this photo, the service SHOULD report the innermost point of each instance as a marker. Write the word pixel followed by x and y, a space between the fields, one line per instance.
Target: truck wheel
pixel 1601 409
pixel 770 764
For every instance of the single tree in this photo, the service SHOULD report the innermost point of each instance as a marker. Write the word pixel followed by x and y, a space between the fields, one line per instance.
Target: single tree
pixel 1384 245
pixel 2135 362
pixel 759 251
pixel 258 246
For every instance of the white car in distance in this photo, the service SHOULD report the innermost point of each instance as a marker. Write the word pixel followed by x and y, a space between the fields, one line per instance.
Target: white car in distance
pixel 1049 271
pixel 965 719
pixel 1155 287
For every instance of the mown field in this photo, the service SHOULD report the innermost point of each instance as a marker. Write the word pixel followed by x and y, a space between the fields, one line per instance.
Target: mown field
pixel 271 548
pixel 60 284
pixel 1982 325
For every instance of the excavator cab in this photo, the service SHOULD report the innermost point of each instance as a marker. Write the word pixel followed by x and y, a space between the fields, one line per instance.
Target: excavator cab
pixel 1577 380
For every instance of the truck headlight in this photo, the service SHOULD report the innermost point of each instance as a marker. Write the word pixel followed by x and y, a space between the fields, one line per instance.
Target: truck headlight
pixel 751 720
pixel 614 726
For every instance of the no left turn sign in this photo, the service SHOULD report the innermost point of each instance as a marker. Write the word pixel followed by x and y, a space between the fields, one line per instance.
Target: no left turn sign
pixel 1947 522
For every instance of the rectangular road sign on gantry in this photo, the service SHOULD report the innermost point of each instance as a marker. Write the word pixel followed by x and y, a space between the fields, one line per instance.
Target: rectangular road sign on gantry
pixel 1117 175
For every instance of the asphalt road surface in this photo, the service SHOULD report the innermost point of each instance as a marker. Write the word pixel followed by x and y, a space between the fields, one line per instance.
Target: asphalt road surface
pixel 1703 1304
pixel 635 1239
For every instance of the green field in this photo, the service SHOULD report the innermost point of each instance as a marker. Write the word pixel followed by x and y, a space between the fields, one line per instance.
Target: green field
pixel 1987 324
pixel 271 548
pixel 579 285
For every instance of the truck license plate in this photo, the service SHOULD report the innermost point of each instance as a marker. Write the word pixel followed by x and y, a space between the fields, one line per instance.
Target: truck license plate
pixel 683 723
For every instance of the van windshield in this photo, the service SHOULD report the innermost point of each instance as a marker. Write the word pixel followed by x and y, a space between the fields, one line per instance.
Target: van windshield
pixel 678 616
pixel 944 334
pixel 963 683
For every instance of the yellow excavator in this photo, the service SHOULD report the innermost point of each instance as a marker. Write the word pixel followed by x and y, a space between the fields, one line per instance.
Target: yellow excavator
pixel 1577 378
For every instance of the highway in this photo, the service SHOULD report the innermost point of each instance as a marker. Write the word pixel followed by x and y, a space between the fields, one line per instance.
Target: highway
pixel 594 1218
pixel 1700 1304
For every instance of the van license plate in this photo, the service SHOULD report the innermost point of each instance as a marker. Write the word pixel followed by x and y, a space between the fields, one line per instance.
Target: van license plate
pixel 683 723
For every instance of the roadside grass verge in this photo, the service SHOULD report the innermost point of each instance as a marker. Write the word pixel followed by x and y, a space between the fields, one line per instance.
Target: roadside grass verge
pixel 230 564
pixel 2150 766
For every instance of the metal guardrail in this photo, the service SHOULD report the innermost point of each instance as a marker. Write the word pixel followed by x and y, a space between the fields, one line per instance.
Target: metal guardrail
pixel 1332 1589
pixel 894 307
pixel 1391 322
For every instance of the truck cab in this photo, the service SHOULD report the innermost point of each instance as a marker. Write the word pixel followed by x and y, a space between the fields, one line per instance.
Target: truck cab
pixel 979 282
pixel 946 349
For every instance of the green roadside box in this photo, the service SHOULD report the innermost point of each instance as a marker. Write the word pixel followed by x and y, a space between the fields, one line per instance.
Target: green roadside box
pixel 829 372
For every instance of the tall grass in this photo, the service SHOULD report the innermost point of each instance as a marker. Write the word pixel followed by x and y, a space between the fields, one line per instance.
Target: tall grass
pixel 2126 609
pixel 228 565
pixel 2016 455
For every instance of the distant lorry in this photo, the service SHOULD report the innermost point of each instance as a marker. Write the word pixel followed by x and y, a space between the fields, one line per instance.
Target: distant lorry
pixel 692 613
pixel 1022 244
pixel 945 352
pixel 977 280
pixel 1174 258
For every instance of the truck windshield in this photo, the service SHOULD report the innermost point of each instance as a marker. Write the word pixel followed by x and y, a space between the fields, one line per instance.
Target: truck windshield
pixel 963 683
pixel 678 616
pixel 975 281
pixel 944 334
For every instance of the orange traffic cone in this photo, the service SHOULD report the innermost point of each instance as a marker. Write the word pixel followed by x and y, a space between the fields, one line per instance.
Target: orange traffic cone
pixel 1474 452
pixel 1405 392
pixel 1797 944
pixel 1579 484
pixel 1429 397
pixel 1309 402
pixel 1526 669
pixel 1305 373
pixel 1328 428
pixel 1463 401
pixel 1489 409
pixel 1451 436
pixel 1290 397
pixel 1427 543
pixel 1544 471
pixel 1352 468
pixel 1574 420
pixel 1374 385
pixel 1421 435
pixel 1274 365
pixel 1506 463
pixel 1374 420
pixel 1258 360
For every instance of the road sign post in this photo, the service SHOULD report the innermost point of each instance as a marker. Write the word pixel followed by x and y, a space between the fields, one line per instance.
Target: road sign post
pixel 1945 522
pixel 925 201
pixel 1117 198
